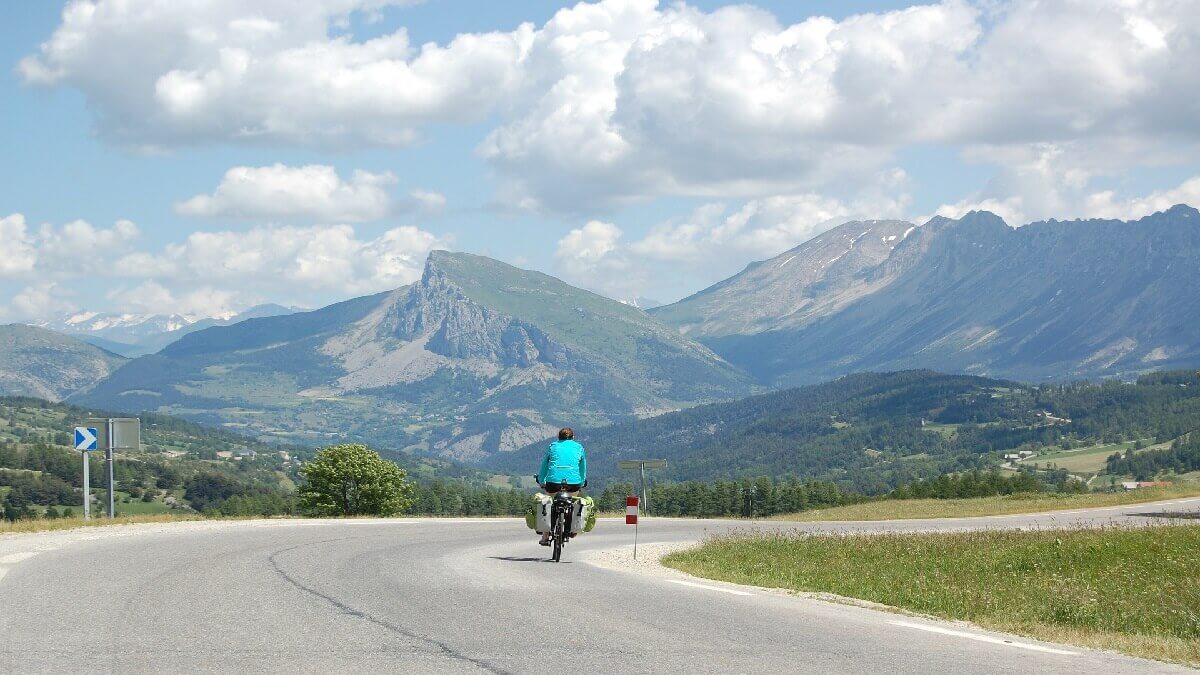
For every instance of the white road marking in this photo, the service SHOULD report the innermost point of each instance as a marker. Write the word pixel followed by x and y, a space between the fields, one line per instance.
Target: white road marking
pixel 982 638
pixel 693 584
pixel 380 522
pixel 1098 509
pixel 14 558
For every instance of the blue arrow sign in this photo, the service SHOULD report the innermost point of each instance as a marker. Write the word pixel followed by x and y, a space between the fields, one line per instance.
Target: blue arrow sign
pixel 85 438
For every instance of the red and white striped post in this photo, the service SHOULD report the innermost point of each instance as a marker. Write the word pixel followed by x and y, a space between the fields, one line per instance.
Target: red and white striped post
pixel 631 518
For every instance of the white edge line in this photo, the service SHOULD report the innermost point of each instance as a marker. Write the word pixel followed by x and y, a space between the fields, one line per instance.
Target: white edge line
pixel 982 638
pixel 3 571
pixel 693 584
pixel 14 558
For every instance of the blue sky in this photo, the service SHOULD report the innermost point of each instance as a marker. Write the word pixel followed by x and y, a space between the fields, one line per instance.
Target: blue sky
pixel 639 150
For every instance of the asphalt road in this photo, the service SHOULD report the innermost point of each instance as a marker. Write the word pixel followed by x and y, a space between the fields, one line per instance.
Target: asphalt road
pixel 437 595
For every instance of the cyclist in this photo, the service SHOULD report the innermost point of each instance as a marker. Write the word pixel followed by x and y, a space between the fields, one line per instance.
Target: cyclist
pixel 564 467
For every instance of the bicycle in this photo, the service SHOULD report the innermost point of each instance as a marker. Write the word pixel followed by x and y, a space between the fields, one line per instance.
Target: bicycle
pixel 562 512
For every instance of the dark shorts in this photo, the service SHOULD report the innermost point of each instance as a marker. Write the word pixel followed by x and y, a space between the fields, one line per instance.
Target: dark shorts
pixel 558 487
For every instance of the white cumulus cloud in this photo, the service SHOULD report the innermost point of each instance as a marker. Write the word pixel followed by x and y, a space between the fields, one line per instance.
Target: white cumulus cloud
pixel 709 244
pixel 209 273
pixel 71 250
pixel 325 258
pixel 630 99
pixel 151 297
pixel 37 301
pixel 18 255
pixel 426 201
pixel 1058 181
pixel 313 192
pixel 591 242
pixel 625 99
pixel 169 73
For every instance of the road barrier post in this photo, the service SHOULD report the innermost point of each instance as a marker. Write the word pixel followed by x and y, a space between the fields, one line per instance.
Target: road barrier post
pixel 631 518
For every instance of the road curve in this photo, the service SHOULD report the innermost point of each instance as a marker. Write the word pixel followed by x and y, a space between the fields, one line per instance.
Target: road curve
pixel 461 595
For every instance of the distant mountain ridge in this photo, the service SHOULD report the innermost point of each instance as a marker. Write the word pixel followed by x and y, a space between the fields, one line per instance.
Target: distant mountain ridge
pixel 45 364
pixel 1054 299
pixel 133 335
pixel 477 357
pixel 817 277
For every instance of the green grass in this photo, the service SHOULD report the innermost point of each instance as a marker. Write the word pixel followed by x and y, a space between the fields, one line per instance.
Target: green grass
pixel 946 430
pixel 140 508
pixel 1037 502
pixel 1135 590
pixel 1090 459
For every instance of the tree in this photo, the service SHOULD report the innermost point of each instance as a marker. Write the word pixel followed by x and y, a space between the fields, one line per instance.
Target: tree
pixel 205 490
pixel 353 480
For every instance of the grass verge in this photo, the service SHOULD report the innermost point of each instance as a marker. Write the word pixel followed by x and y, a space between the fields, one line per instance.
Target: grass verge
pixel 44 525
pixel 1135 590
pixel 905 509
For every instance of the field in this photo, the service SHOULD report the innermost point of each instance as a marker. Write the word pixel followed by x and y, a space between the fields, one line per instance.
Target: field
pixel 893 509
pixel 1134 590
pixel 1091 459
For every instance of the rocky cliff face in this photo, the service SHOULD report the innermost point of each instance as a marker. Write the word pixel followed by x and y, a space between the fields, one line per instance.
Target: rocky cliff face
pixel 455 326
pixel 1048 300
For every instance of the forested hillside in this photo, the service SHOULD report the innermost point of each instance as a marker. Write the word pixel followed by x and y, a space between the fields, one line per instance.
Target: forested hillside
pixel 873 432
pixel 184 466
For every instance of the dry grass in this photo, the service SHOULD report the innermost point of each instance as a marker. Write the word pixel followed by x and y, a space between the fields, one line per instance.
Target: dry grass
pixel 909 509
pixel 1135 590
pixel 43 525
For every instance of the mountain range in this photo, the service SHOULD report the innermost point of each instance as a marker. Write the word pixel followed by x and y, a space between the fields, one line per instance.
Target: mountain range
pixel 1049 300
pixel 479 357
pixel 133 335
pixel 476 357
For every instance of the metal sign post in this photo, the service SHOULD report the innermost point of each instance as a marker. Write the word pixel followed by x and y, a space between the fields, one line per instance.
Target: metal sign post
pixel 641 465
pixel 86 441
pixel 120 433
pixel 108 460
pixel 87 488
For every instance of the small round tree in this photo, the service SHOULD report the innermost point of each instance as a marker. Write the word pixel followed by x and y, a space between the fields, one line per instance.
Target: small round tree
pixel 353 480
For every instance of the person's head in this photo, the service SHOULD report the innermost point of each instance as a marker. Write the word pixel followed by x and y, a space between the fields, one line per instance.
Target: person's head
pixel 566 434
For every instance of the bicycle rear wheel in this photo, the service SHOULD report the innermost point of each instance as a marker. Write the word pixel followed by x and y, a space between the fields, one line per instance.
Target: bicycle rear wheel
pixel 559 535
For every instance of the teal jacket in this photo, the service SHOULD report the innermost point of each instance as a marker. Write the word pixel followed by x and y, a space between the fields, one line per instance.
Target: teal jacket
pixel 565 462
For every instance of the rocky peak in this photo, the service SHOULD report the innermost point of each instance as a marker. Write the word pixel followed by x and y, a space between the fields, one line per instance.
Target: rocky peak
pixel 437 309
